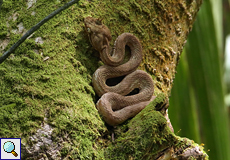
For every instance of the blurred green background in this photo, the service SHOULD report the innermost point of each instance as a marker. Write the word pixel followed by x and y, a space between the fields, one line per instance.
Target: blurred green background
pixel 200 98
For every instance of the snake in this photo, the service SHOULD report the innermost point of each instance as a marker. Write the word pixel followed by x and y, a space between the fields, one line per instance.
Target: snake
pixel 116 104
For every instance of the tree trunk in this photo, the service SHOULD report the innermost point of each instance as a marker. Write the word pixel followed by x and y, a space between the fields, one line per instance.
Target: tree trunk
pixel 46 94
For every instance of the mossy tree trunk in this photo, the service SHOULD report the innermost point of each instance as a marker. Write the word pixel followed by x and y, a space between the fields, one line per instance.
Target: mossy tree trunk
pixel 46 94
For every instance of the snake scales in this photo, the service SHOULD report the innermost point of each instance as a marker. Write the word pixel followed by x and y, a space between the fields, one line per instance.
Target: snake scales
pixel 114 105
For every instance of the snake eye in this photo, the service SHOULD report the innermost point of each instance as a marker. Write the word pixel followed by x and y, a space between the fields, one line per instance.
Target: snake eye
pixel 98 22
pixel 88 30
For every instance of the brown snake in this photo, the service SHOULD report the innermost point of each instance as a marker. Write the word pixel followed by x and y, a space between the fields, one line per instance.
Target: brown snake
pixel 114 105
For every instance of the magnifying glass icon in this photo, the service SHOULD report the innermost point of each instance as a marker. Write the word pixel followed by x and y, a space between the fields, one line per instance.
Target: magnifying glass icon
pixel 9 147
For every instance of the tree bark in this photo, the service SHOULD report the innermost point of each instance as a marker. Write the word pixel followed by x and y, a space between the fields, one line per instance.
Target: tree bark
pixel 47 97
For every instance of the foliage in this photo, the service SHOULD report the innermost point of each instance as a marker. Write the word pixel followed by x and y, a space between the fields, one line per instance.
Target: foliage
pixel 202 105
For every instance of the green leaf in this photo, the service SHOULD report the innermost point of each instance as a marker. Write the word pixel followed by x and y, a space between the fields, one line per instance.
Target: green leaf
pixel 204 76
pixel 182 110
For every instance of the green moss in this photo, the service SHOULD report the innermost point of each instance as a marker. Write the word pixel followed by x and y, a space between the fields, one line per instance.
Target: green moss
pixel 57 91
pixel 146 135
pixel 3 29
pixel 7 5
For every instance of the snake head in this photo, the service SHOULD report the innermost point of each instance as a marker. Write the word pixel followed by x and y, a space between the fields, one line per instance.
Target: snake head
pixel 99 34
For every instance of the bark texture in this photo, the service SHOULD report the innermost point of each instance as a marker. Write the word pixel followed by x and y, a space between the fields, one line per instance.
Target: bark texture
pixel 47 97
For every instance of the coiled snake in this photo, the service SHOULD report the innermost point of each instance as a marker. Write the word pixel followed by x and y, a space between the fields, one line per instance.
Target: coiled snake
pixel 115 105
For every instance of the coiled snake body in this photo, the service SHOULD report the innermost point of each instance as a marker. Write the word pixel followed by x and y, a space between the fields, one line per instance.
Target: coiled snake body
pixel 114 105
